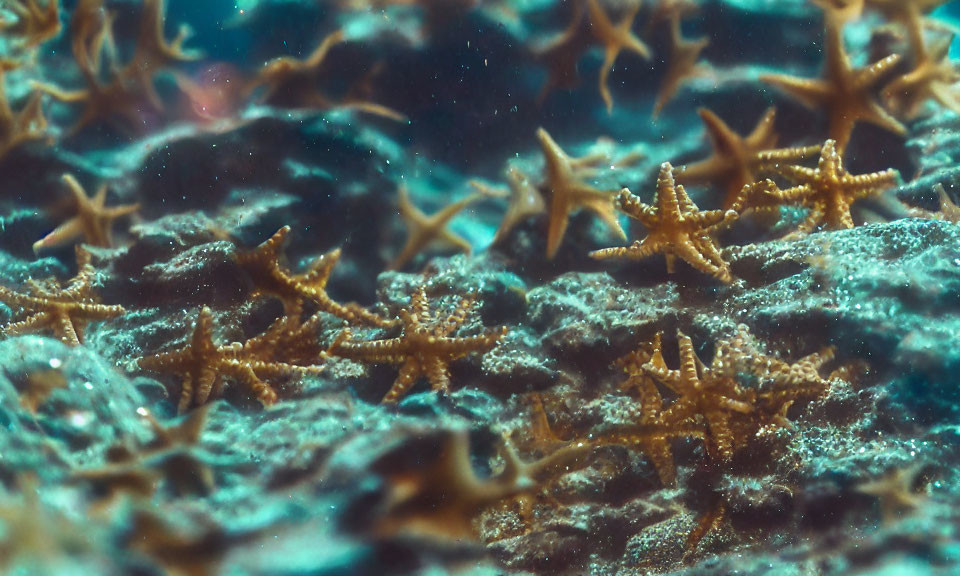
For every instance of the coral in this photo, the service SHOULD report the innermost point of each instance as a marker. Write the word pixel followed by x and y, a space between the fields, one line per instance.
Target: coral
pixel 36 22
pixel 568 193
pixel 203 365
pixel 424 348
pixel 65 311
pixel 93 221
pixel 19 128
pixel 424 231
pixel 676 227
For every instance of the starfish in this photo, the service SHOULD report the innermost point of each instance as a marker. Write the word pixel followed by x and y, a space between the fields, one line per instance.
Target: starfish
pixel 896 491
pixel 586 29
pixel 424 231
pixel 290 83
pixel 35 23
pixel 735 159
pixel 827 191
pixel 93 221
pixel 424 348
pixel 675 227
pixel 684 55
pixel 949 211
pixel 442 498
pixel 615 38
pixel 525 201
pixel 651 433
pixel 269 277
pixel 909 13
pixel 63 311
pixel 113 90
pixel 202 365
pixel 18 128
pixel 569 193
pixel 845 92
pixel 933 77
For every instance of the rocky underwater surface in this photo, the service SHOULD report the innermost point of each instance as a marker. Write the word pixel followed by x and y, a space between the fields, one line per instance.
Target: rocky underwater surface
pixel 479 287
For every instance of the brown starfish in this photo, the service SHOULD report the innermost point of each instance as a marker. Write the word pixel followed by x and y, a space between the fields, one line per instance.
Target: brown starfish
pixel 845 92
pixel 18 128
pixel 424 348
pixel 896 491
pixel 93 221
pixel 525 201
pixel 290 83
pixel 933 77
pixel 827 191
pixel 568 193
pixel 684 55
pixel 35 22
pixel 263 266
pixel 424 231
pixel 676 227
pixel 63 311
pixel 588 28
pixel 736 159
pixel 202 365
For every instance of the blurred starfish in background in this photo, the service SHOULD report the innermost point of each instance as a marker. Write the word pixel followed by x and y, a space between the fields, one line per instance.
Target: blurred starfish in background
pixel 93 222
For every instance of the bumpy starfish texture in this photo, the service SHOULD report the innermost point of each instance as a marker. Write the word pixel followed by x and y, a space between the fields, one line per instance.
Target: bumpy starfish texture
pixel 736 159
pixel 845 92
pixel 35 22
pixel 93 222
pixel 569 193
pixel 676 227
pixel 425 348
pixel 203 365
pixel 425 230
pixel 287 82
pixel 26 125
pixel 827 191
pixel 684 56
pixel 934 77
pixel 524 202
pixel 270 278
pixel 63 311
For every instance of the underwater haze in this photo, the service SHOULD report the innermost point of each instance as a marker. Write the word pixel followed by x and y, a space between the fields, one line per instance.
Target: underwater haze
pixel 479 287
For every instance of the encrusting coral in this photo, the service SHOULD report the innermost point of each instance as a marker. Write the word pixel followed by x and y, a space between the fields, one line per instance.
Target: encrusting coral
pixel 203 365
pixel 425 347
pixel 93 222
pixel 65 311
pixel 675 227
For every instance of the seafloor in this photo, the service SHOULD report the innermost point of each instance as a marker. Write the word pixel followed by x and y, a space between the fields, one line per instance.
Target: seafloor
pixel 337 287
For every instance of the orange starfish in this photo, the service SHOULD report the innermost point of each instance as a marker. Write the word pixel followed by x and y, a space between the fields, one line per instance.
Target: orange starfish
pixel 424 231
pixel 424 348
pixel 934 77
pixel 827 191
pixel 269 277
pixel 18 128
pixel 93 221
pixel 290 83
pixel 569 193
pixel 735 159
pixel 202 364
pixel 675 227
pixel 563 54
pixel 897 491
pixel 684 55
pixel 35 22
pixel 64 311
pixel 525 201
pixel 845 92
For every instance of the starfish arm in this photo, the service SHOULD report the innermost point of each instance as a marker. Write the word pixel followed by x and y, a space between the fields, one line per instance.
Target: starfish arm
pixel 29 324
pixel 245 372
pixel 319 54
pixel 12 298
pixel 809 92
pixel 62 234
pixel 632 206
pixel 867 78
pixel 410 372
pixel 438 374
pixel 689 253
pixel 604 208
pixel 454 348
pixel 636 251
pixel 863 185
pixel 206 381
pixel 688 360
pixel 373 351
pixel 186 393
pixel 558 221
pixel 457 317
pixel 721 436
pixel 667 202
pixel 875 114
